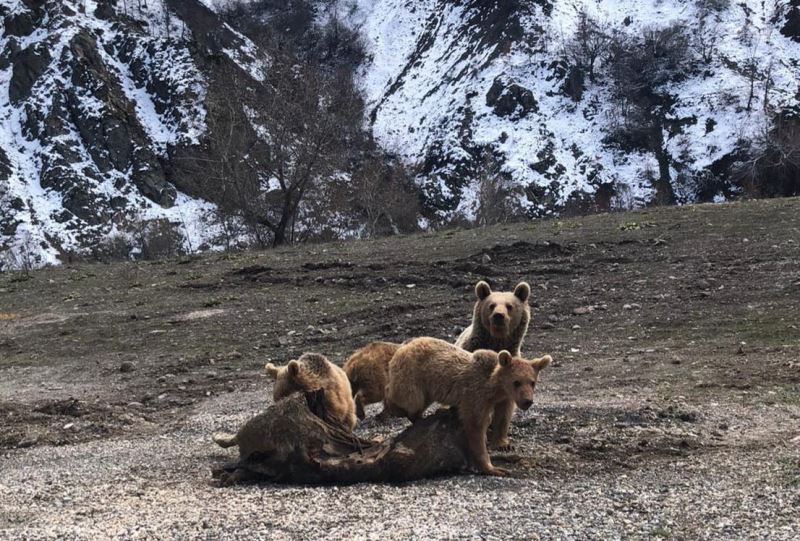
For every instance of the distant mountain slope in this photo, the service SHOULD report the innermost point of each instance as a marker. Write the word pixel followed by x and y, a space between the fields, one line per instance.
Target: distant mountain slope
pixel 95 99
pixel 115 112
pixel 450 82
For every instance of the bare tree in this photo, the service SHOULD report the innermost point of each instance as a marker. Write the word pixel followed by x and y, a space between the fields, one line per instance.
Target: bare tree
pixel 496 195
pixel 384 193
pixel 642 67
pixel 312 120
pixel 588 44
pixel 298 130
pixel 774 167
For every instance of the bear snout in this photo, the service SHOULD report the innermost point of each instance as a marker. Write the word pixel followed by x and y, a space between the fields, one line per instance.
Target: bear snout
pixel 525 404
pixel 498 319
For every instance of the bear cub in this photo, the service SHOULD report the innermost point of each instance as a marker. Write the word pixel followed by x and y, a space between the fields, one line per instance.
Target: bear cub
pixel 368 372
pixel 313 371
pixel 427 370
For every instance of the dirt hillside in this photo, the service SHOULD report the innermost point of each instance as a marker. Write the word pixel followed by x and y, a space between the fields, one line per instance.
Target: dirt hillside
pixel 672 409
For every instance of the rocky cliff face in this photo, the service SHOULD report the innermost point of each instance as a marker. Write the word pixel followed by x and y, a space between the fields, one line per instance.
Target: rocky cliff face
pixel 97 98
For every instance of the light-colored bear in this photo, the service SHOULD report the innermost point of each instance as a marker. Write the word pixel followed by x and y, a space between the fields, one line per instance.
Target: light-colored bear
pixel 313 371
pixel 368 372
pixel 428 370
pixel 499 321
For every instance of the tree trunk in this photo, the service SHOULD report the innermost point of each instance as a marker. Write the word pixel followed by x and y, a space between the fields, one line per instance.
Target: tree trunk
pixel 664 192
pixel 294 441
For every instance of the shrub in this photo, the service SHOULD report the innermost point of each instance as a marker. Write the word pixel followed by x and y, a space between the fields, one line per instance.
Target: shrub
pixel 773 169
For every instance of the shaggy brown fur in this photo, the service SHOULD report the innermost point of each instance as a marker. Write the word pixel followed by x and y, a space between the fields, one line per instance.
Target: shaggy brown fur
pixel 499 321
pixel 427 370
pixel 368 372
pixel 313 371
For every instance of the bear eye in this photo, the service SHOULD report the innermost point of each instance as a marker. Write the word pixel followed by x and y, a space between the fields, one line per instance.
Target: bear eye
pixel 492 306
pixel 509 307
pixel 517 383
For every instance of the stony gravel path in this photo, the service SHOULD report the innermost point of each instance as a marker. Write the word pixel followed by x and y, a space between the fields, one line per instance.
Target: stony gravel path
pixel 158 487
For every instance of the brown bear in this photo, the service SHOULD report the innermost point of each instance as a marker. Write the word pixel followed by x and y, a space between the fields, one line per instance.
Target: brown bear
pixel 499 321
pixel 427 370
pixel 368 372
pixel 313 371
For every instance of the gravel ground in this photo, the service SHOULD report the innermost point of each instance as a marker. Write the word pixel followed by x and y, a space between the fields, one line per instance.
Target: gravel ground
pixel 159 487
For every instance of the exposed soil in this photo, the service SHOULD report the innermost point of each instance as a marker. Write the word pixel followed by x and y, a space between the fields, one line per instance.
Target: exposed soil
pixel 672 408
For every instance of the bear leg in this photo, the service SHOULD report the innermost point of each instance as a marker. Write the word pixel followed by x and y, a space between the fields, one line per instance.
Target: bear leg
pixel 501 422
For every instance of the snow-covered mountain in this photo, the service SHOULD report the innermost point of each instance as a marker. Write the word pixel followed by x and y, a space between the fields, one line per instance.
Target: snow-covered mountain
pixel 448 80
pixel 96 98
pixel 109 107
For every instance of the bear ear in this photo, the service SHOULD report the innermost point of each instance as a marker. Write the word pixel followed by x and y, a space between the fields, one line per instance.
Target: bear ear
pixel 541 362
pixel 522 291
pixel 271 370
pixel 294 368
pixel 482 290
pixel 504 357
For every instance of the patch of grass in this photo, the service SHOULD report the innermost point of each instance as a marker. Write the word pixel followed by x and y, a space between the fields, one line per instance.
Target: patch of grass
pixel 788 396
pixel 790 468
pixel 660 532
pixel 20 277
pixel 767 330
pixel 634 226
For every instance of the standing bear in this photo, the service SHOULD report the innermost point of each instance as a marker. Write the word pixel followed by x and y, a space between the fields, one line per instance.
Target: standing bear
pixel 427 370
pixel 313 371
pixel 499 321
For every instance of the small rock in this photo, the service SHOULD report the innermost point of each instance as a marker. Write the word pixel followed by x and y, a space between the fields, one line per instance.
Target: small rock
pixel 581 310
pixel 411 286
pixel 28 441
pixel 547 325
pixel 68 426
pixel 552 317
pixel 632 306
pixel 486 259
pixel 126 366
pixel 576 327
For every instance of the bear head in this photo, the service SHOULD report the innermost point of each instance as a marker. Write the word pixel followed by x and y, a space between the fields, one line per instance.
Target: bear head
pixel 518 376
pixel 286 379
pixel 501 312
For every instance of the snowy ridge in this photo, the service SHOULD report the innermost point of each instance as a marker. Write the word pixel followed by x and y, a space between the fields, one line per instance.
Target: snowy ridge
pixel 110 110
pixel 432 68
pixel 62 193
